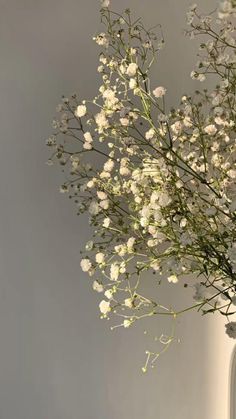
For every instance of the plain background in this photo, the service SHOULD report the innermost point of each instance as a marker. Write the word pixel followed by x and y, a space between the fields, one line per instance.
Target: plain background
pixel 58 360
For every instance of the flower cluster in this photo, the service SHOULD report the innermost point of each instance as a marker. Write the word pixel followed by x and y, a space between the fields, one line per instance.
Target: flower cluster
pixel 161 194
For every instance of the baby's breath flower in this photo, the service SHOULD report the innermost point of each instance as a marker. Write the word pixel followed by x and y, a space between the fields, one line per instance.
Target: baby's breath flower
pixel 128 302
pixel 105 203
pixel 101 195
pixel 132 83
pixel 130 244
pixel 114 272
pixel 106 222
pixel 210 129
pixel 109 165
pixel 102 40
pixel 104 307
pixel 97 286
pixel 159 91
pixel 132 69
pixel 108 294
pixel 80 111
pixel 125 122
pixel 88 137
pixel 173 278
pixel 85 265
pixel 161 194
pixel 101 121
pixel 127 323
pixel 105 3
pixel 87 146
pixel 150 134
pixel 100 257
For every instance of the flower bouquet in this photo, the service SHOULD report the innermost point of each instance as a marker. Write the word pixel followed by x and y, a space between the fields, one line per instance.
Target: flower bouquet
pixel 159 184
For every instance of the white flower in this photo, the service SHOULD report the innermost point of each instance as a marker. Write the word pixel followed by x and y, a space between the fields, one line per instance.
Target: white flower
pixel 132 69
pixel 124 122
pixel 101 195
pixel 133 51
pixel 85 265
pixel 124 171
pixel 108 294
pixel 149 134
pixel 105 3
pixel 128 302
pixel 100 257
pixel 120 249
pixel 159 91
pixel 109 165
pixel 183 222
pixel 187 122
pixel 231 329
pixel 110 98
pixel 132 84
pixel 104 307
pixel 177 127
pixel 88 137
pixel 97 286
pixel 106 222
pixel 90 184
pixel 122 268
pixel 80 111
pixel 104 204
pixel 127 323
pixel 210 129
pixel 130 244
pixel 101 121
pixel 100 68
pixel 93 208
pixel 173 278
pixel 108 94
pixel 201 77
pixel 102 40
pixel 87 146
pixel 114 272
pixel 104 175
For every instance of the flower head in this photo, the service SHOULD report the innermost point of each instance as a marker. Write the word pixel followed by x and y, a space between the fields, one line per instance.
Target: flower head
pixel 80 111
pixel 173 278
pixel 105 3
pixel 132 69
pixel 104 307
pixel 159 91
pixel 85 265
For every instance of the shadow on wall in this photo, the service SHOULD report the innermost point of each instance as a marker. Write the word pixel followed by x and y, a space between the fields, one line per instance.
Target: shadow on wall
pixel 232 384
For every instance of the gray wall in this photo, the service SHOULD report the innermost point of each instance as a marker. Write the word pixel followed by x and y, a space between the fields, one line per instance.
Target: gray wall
pixel 58 360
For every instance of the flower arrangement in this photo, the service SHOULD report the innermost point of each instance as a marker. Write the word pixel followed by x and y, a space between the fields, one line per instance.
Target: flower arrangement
pixel 161 193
